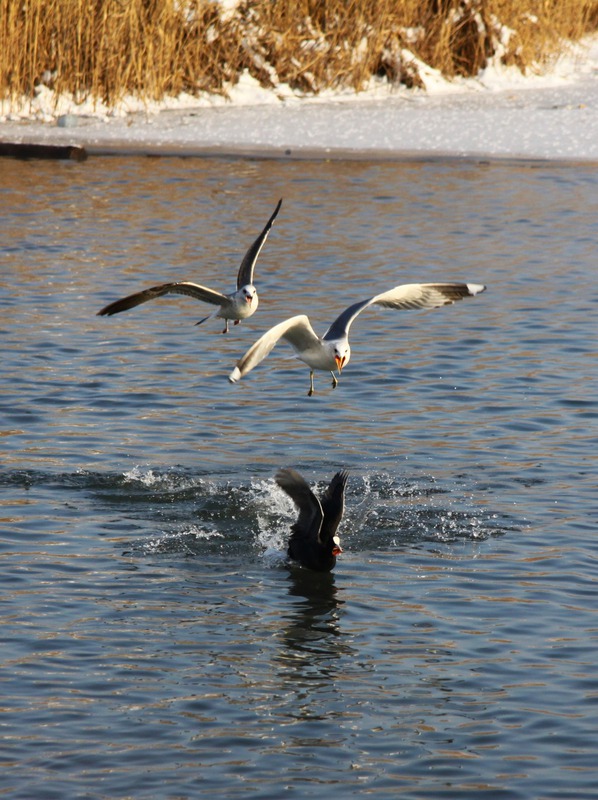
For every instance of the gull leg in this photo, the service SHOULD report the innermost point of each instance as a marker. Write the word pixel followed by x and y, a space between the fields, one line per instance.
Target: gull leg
pixel 237 321
pixel 334 380
pixel 225 327
pixel 311 383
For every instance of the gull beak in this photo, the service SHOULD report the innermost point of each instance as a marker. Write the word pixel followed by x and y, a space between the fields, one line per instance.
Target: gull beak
pixel 339 363
pixel 248 298
pixel 337 549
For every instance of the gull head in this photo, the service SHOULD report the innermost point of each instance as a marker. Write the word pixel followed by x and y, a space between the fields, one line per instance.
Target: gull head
pixel 245 301
pixel 342 354
pixel 248 293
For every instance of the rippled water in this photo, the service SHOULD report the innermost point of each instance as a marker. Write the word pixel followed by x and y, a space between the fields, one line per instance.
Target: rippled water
pixel 155 644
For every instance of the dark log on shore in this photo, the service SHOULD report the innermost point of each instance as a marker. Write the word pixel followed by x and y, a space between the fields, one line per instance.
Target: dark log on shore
pixel 25 151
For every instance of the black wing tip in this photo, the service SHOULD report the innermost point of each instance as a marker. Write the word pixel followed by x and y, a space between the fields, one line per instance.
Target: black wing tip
pixel 338 485
pixel 342 476
pixel 117 307
pixel 456 291
pixel 452 292
pixel 274 215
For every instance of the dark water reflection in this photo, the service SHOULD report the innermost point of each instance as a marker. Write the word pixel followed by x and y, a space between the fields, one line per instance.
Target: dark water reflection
pixel 154 642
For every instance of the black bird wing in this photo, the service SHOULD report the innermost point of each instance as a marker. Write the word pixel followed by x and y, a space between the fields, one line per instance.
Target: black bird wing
pixel 310 510
pixel 333 505
pixel 245 276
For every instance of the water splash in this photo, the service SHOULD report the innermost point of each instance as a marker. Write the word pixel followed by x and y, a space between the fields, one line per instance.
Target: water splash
pixel 181 541
pixel 178 510
pixel 172 480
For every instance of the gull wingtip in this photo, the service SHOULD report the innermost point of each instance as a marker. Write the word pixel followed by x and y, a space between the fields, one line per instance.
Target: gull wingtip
pixel 235 375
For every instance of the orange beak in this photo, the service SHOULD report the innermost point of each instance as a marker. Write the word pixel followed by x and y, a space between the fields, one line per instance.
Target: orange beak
pixel 339 363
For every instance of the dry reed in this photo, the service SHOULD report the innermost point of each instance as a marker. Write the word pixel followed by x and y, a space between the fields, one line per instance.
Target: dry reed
pixel 105 49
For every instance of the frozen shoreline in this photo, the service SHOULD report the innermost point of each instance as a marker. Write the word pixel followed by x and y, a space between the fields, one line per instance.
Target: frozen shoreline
pixel 501 115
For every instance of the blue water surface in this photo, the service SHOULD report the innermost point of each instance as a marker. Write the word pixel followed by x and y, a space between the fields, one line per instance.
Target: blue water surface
pixel 155 643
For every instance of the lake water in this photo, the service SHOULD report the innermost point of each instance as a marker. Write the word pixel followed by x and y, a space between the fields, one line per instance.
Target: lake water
pixel 155 644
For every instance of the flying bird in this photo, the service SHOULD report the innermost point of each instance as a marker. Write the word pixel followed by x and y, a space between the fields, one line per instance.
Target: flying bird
pixel 236 306
pixel 332 351
pixel 314 542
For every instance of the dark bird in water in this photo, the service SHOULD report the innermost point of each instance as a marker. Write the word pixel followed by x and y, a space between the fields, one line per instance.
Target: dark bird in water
pixel 236 306
pixel 332 350
pixel 314 542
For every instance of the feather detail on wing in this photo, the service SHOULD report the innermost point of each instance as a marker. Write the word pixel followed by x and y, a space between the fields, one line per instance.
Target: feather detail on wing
pixel 333 505
pixel 426 295
pixel 296 330
pixel 182 287
pixel 406 296
pixel 245 275
pixel 310 510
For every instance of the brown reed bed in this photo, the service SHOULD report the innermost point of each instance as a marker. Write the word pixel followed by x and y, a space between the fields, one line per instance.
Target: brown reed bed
pixel 105 49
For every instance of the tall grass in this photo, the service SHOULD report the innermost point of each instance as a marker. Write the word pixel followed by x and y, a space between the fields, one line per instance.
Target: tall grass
pixel 104 49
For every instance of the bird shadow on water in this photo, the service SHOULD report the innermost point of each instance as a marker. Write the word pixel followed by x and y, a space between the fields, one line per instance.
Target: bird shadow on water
pixel 311 636
pixel 317 593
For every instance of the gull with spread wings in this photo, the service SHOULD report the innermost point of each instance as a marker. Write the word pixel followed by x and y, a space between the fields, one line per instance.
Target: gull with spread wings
pixel 332 351
pixel 236 306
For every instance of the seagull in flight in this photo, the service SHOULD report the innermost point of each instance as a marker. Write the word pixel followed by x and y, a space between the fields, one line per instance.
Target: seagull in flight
pixel 236 306
pixel 332 351
pixel 314 542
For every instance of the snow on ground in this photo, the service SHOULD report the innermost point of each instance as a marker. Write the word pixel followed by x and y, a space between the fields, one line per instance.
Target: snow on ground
pixel 500 114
